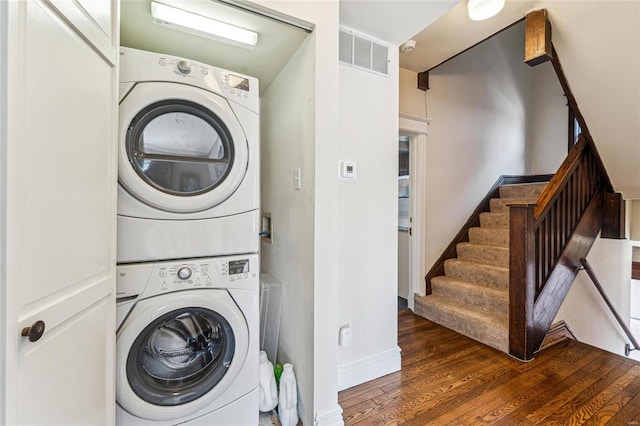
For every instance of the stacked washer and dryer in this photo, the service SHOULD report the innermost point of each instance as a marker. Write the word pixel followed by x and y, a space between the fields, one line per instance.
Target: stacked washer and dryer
pixel 188 215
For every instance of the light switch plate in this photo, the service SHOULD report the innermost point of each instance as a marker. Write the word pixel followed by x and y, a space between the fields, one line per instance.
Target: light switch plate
pixel 297 180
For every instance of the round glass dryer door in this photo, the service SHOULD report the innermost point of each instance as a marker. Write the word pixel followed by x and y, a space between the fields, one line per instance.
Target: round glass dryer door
pixel 180 356
pixel 182 149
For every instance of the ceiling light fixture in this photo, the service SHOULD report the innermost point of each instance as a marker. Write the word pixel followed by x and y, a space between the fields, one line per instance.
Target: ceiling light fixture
pixel 480 10
pixel 203 26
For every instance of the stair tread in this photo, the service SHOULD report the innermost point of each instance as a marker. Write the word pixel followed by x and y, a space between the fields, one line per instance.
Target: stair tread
pixel 497 292
pixel 480 273
pixel 483 246
pixel 519 190
pixel 473 264
pixel 493 220
pixel 484 254
pixel 489 328
pixel 517 200
pixel 496 237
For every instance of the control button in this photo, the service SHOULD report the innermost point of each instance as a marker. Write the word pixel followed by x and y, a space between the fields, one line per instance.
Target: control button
pixel 204 269
pixel 163 273
pixel 197 280
pixel 184 67
pixel 246 275
pixel 163 62
pixel 184 273
pixel 205 72
pixel 232 277
pixel 164 285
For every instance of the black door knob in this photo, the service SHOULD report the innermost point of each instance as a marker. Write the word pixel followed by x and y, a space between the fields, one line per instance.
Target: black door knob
pixel 34 332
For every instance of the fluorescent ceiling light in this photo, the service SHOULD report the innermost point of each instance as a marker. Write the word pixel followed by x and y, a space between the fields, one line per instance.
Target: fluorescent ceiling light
pixel 480 10
pixel 202 26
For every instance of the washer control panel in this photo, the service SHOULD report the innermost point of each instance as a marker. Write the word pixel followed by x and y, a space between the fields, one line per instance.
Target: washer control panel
pixel 160 277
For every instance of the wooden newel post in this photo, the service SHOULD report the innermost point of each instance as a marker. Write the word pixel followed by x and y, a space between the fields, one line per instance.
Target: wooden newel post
pixel 521 280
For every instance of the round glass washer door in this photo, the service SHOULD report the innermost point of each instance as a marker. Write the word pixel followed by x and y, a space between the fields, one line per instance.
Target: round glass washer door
pixel 176 353
pixel 181 148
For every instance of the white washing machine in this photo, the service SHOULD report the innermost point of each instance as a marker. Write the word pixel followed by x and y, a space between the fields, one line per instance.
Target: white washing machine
pixel 188 342
pixel 188 167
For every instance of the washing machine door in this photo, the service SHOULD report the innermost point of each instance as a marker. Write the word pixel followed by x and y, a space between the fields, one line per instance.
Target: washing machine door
pixel 182 148
pixel 178 352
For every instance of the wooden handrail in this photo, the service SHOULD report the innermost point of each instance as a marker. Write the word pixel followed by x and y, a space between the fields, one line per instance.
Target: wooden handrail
pixel 560 179
pixel 603 294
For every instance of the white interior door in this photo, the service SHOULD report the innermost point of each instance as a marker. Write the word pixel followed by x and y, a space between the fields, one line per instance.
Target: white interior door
pixel 58 73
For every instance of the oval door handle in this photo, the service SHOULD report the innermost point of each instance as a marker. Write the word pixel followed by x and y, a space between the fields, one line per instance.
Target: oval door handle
pixel 34 332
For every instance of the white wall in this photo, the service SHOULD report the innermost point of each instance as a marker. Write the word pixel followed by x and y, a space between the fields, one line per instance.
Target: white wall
pixel 585 312
pixel 547 122
pixel 412 100
pixel 368 222
pixel 287 144
pixel 478 104
pixel 322 406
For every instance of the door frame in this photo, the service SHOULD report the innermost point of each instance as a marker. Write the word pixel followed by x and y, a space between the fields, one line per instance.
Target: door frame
pixel 416 129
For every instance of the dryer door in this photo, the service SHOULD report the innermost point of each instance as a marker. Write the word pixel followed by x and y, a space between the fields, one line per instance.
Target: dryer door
pixel 181 148
pixel 178 352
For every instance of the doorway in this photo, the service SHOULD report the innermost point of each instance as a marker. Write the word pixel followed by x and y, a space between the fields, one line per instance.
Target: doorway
pixel 412 163
pixel 404 221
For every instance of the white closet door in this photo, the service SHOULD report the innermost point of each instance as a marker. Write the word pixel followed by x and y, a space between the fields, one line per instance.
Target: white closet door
pixel 58 66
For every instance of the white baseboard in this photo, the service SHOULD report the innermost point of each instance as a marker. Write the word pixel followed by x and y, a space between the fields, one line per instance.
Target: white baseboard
pixel 330 418
pixel 365 369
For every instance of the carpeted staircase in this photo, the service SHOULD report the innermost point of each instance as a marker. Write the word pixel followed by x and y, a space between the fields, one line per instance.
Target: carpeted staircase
pixel 472 297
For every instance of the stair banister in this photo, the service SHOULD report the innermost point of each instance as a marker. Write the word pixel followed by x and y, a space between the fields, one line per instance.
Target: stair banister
pixel 547 240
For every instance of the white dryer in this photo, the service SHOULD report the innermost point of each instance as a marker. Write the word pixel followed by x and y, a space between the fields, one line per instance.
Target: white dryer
pixel 187 342
pixel 188 165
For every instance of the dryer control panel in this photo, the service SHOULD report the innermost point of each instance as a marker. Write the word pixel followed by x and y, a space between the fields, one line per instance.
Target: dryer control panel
pixel 140 66
pixel 149 279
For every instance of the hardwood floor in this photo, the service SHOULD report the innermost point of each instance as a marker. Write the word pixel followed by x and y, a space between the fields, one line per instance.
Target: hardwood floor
pixel 448 379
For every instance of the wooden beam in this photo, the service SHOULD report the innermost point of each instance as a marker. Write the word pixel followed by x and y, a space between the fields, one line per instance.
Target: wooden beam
pixel 635 270
pixel 614 216
pixel 537 38
pixel 423 80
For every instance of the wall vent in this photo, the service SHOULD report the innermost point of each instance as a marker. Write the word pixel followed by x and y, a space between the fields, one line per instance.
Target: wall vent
pixel 364 53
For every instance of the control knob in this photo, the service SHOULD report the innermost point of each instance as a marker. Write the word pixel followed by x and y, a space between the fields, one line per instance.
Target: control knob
pixel 184 273
pixel 184 67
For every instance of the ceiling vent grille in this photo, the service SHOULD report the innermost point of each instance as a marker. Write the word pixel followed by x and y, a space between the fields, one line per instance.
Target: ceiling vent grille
pixel 361 52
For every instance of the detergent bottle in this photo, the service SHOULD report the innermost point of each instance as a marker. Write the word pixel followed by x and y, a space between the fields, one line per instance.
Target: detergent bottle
pixel 288 404
pixel 267 384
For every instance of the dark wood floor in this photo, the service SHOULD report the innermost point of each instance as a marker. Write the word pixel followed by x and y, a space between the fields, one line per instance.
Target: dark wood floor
pixel 448 379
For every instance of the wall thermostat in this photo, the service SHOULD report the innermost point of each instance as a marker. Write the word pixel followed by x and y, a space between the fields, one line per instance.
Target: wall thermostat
pixel 348 169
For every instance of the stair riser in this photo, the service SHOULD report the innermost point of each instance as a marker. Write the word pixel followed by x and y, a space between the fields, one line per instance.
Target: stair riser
pixel 489 237
pixel 494 220
pixel 476 300
pixel 532 190
pixel 485 333
pixel 500 205
pixel 472 272
pixel 496 256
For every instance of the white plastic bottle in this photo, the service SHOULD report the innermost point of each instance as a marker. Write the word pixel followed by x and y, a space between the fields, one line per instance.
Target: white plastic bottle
pixel 288 404
pixel 267 384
